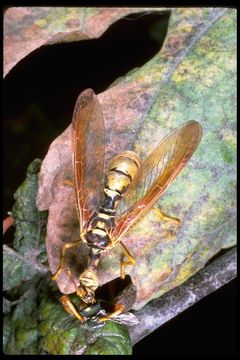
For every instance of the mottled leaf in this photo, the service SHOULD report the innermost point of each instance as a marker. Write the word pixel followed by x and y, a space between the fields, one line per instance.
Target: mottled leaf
pixel 30 224
pixel 6 306
pixel 22 268
pixel 7 331
pixel 192 77
pixel 20 328
pixel 16 268
pixel 28 28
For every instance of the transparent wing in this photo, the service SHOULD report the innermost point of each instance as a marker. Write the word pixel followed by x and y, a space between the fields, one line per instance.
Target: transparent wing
pixel 156 173
pixel 67 323
pixel 127 318
pixel 88 153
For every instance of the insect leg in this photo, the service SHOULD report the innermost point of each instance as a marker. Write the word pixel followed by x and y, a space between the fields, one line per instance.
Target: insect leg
pixel 63 255
pixel 131 260
pixel 118 309
pixel 70 308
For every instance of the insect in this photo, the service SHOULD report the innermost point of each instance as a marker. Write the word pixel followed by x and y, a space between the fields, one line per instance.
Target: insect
pixel 93 316
pixel 108 209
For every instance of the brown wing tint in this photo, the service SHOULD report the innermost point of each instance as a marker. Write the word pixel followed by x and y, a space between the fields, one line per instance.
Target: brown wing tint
pixel 88 153
pixel 155 175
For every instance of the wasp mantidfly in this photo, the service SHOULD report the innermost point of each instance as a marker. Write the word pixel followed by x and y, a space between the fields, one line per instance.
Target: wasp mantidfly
pixel 108 209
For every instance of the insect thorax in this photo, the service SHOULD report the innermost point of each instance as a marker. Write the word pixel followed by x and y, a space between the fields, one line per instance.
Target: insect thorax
pixel 120 173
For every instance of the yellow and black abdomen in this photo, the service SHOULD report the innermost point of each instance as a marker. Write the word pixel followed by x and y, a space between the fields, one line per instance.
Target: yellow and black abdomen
pixel 120 172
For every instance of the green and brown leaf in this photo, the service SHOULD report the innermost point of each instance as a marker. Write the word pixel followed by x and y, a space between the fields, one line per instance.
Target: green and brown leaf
pixel 192 77
pixel 26 257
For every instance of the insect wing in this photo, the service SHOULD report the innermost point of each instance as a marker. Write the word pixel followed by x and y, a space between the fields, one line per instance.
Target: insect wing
pixel 69 322
pixel 88 153
pixel 156 173
pixel 128 319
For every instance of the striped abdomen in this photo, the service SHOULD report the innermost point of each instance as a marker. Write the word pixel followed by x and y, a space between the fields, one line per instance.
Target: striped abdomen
pixel 120 173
